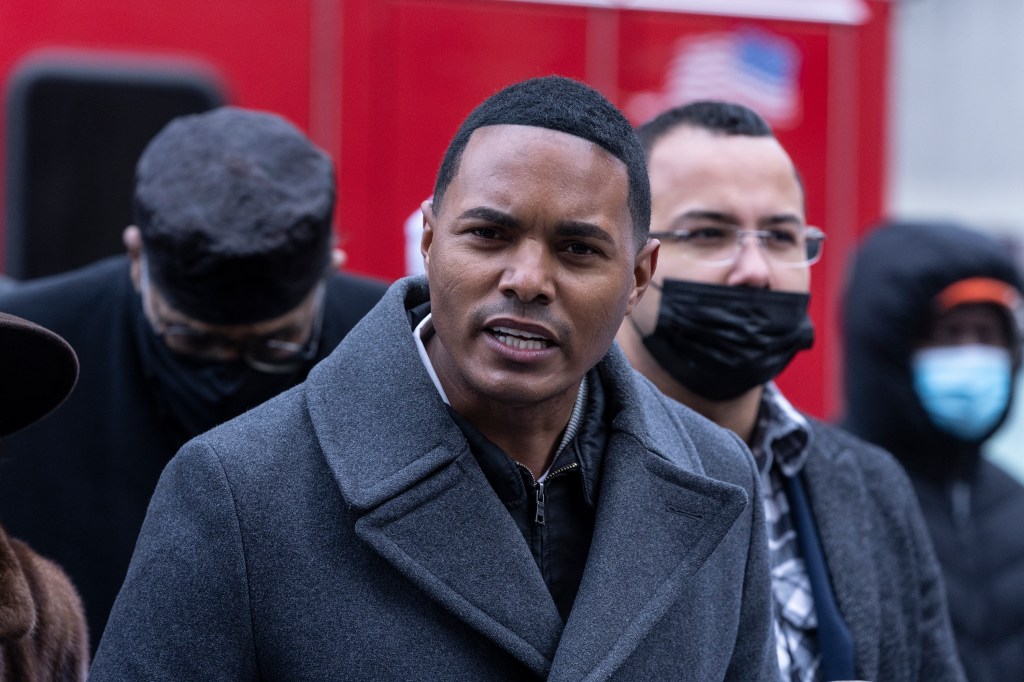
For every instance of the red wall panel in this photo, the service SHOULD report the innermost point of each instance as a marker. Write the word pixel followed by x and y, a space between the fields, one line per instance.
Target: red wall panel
pixel 383 84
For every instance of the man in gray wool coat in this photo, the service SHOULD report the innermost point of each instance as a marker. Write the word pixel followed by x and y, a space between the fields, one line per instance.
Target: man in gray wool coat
pixel 474 485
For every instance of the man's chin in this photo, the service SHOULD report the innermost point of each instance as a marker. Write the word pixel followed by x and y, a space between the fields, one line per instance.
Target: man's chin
pixel 524 391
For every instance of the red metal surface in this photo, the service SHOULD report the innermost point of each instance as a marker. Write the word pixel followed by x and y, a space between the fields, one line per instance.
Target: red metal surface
pixel 383 84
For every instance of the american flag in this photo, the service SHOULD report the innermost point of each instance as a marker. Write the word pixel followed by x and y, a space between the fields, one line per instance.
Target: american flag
pixel 749 66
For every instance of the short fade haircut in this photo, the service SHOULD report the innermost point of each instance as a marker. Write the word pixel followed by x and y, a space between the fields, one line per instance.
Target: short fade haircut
pixel 566 106
pixel 722 118
pixel 713 116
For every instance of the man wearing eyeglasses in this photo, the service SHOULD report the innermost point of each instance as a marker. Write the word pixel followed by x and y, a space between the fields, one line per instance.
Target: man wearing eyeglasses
pixel 856 588
pixel 228 294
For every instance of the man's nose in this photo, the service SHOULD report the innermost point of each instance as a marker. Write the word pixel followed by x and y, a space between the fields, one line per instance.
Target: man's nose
pixel 529 274
pixel 751 268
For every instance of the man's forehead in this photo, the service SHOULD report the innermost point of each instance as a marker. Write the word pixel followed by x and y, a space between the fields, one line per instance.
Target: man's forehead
pixel 690 145
pixel 497 148
pixel 703 165
pixel 974 313
pixel 502 134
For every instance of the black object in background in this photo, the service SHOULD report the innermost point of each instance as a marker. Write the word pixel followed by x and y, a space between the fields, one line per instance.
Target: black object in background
pixel 74 129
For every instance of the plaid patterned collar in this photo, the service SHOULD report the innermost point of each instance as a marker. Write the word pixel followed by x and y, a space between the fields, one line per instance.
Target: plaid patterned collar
pixel 780 446
pixel 782 436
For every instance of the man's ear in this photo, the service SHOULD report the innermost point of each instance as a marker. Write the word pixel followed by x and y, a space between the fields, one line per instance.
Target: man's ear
pixel 338 258
pixel 132 239
pixel 643 270
pixel 429 222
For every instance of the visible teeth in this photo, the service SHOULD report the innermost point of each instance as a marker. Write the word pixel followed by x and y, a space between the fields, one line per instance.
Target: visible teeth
pixel 517 338
pixel 522 344
pixel 517 332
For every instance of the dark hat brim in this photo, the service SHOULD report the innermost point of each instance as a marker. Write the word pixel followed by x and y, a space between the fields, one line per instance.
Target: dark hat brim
pixel 38 370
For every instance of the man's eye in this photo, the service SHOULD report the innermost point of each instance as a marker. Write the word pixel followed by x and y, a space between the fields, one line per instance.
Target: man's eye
pixel 706 234
pixel 581 249
pixel 485 232
pixel 782 237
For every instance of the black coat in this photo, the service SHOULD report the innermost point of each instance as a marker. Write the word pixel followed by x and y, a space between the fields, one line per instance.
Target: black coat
pixel 973 509
pixel 77 484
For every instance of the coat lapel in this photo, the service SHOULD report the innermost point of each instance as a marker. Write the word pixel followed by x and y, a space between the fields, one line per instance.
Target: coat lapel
pixel 657 524
pixel 837 492
pixel 426 508
pixel 423 503
pixel 450 535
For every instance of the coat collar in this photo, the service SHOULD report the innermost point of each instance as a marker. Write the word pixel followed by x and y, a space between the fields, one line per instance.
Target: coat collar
pixel 423 504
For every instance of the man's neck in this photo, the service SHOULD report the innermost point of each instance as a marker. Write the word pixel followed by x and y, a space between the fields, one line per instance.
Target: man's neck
pixel 739 415
pixel 529 435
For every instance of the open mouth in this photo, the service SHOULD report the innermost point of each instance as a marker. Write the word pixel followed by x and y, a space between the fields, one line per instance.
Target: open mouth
pixel 519 339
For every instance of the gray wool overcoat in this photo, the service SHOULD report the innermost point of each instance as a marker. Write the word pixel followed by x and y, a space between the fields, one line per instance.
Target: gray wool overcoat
pixel 886 579
pixel 344 531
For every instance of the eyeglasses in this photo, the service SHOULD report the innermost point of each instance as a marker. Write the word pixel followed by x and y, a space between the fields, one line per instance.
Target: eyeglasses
pixel 793 247
pixel 267 353
pixel 263 353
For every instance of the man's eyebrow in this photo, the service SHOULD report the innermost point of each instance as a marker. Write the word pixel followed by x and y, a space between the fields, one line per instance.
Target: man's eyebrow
pixel 292 329
pixel 569 228
pixel 720 217
pixel 698 214
pixel 490 215
pixel 577 228
pixel 783 218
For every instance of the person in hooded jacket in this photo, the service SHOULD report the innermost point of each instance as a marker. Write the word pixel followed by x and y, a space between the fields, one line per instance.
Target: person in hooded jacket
pixel 228 294
pixel 932 345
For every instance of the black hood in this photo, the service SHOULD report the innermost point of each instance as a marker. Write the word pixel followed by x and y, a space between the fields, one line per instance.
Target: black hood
pixel 894 278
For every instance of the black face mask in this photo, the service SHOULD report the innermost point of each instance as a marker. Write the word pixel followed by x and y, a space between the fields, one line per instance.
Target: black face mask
pixel 721 341
pixel 201 394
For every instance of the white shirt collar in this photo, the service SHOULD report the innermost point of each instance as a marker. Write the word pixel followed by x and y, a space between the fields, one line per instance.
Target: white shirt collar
pixel 424 330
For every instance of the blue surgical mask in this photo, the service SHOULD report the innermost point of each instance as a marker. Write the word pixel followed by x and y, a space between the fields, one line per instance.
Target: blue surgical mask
pixel 964 389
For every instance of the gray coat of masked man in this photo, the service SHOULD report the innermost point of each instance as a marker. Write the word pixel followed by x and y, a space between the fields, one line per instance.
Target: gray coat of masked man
pixel 229 294
pixel 855 585
pixel 475 485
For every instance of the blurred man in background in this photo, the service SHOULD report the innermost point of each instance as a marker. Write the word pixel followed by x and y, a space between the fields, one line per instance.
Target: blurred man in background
pixel 229 294
pixel 933 342
pixel 857 593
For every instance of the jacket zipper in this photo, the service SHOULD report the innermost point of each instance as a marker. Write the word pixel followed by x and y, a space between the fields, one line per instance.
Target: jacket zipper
pixel 540 515
pixel 539 486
